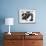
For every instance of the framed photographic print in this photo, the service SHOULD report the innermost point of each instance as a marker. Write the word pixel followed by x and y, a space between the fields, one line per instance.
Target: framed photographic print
pixel 27 16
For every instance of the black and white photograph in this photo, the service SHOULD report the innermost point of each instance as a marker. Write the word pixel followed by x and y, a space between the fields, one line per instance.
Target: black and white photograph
pixel 27 16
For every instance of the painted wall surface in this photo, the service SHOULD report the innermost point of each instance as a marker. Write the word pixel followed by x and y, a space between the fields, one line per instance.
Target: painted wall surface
pixel 10 8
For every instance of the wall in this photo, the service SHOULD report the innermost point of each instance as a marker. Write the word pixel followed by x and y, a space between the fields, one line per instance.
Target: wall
pixel 10 8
